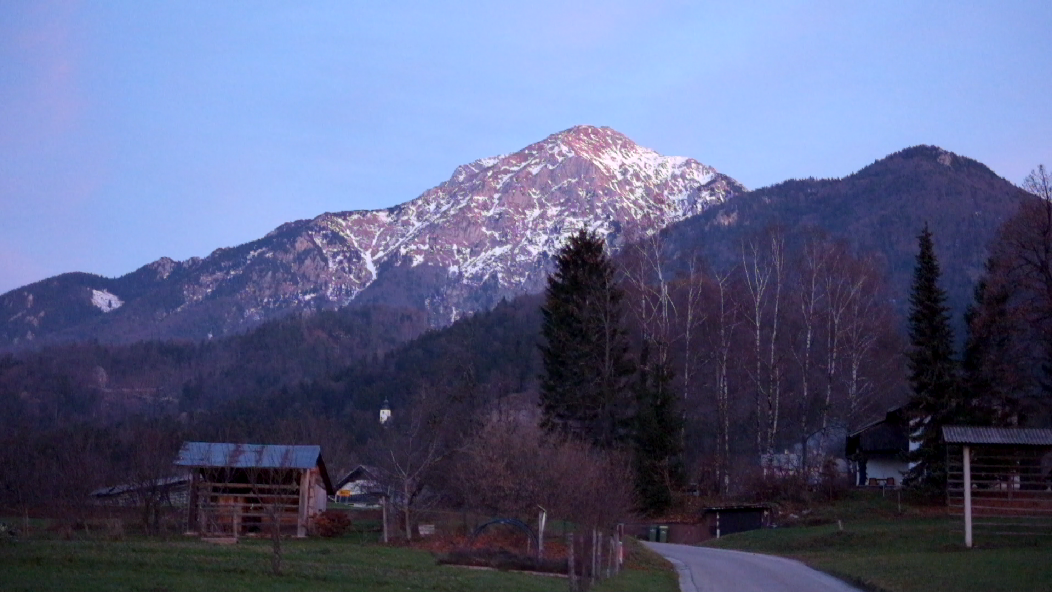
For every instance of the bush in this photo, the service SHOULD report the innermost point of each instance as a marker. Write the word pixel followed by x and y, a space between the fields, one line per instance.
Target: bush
pixel 332 523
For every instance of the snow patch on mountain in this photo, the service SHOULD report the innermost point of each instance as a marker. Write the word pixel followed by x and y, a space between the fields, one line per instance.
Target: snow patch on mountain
pixel 494 225
pixel 105 301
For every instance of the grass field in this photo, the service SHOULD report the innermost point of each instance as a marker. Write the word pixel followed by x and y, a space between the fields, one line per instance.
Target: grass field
pixel 317 565
pixel 880 550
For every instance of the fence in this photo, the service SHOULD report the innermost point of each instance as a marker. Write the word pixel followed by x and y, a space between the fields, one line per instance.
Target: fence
pixel 584 555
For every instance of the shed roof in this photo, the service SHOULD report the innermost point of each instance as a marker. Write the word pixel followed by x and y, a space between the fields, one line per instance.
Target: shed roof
pixel 1002 436
pixel 163 482
pixel 737 508
pixel 259 456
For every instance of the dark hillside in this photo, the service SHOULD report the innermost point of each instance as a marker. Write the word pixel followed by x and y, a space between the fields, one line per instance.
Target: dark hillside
pixel 102 383
pixel 880 209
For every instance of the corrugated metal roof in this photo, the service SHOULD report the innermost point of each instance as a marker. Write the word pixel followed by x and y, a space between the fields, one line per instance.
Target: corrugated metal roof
pixel 1006 436
pixel 126 487
pixel 264 456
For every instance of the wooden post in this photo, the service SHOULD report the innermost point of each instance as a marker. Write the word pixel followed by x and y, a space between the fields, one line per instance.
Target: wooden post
pixel 571 571
pixel 301 518
pixel 192 501
pixel 383 508
pixel 542 519
pixel 967 497
pixel 598 544
pixel 593 556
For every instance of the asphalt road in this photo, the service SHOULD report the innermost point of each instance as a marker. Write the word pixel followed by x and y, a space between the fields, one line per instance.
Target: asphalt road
pixel 716 570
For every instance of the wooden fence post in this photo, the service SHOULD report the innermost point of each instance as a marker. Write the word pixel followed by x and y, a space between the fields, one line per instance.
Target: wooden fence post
pixel 593 558
pixel 968 496
pixel 598 536
pixel 383 508
pixel 542 519
pixel 570 568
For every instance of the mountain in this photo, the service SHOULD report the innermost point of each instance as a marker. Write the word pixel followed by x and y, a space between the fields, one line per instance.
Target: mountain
pixel 487 233
pixel 879 210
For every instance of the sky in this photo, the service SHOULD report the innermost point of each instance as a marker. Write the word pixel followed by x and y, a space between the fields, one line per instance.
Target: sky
pixel 135 130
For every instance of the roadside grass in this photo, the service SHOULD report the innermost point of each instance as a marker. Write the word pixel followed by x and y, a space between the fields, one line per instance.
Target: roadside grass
pixel 49 562
pixel 912 552
pixel 645 571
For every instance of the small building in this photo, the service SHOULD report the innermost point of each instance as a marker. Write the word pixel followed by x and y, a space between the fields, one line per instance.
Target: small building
pixel 715 522
pixel 166 491
pixel 360 486
pixel 725 520
pixel 239 489
pixel 880 450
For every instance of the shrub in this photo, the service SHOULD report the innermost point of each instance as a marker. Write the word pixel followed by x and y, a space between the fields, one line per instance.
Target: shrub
pixel 332 523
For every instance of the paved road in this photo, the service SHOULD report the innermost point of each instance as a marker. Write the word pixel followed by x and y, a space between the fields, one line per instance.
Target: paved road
pixel 716 570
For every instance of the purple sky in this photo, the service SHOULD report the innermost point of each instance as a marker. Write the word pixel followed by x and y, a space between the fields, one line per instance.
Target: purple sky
pixel 135 130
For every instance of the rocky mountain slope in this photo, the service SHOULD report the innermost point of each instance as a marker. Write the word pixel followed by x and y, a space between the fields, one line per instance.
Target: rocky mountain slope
pixel 487 233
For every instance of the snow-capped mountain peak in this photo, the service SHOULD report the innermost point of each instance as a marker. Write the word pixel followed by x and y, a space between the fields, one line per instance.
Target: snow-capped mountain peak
pixel 487 232
pixel 500 219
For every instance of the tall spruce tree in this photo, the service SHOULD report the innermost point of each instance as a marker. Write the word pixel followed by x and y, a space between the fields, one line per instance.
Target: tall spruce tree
pixel 656 437
pixel 933 370
pixel 989 380
pixel 585 388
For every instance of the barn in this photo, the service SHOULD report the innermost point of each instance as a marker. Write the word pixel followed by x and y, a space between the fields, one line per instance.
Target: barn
pixel 245 489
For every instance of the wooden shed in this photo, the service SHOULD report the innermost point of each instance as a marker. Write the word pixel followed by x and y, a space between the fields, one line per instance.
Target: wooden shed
pixel 239 489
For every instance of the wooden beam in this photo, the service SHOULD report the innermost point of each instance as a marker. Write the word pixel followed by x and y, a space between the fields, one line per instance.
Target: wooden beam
pixel 301 526
pixel 967 460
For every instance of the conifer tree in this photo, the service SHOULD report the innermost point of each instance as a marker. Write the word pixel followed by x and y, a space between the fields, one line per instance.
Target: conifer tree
pixel 656 437
pixel 585 388
pixel 933 370
pixel 989 378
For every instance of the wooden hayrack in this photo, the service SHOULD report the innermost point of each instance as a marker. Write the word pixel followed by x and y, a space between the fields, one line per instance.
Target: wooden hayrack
pixel 998 480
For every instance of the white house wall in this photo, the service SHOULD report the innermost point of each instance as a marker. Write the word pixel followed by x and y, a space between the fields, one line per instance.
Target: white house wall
pixel 885 468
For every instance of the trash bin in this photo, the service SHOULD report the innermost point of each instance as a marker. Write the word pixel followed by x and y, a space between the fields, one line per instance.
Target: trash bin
pixel 663 534
pixel 652 533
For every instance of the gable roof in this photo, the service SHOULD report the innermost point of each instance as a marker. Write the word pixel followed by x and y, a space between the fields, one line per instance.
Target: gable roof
pixel 253 456
pixel 887 435
pixel 1003 436
pixel 256 456
pixel 359 473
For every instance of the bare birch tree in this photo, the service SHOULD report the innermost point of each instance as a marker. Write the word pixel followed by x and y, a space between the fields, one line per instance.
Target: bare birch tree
pixel 764 268
pixel 726 322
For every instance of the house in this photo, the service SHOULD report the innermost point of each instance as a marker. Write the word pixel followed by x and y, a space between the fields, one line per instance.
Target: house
pixel 880 450
pixel 168 491
pixel 361 486
pixel 239 489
